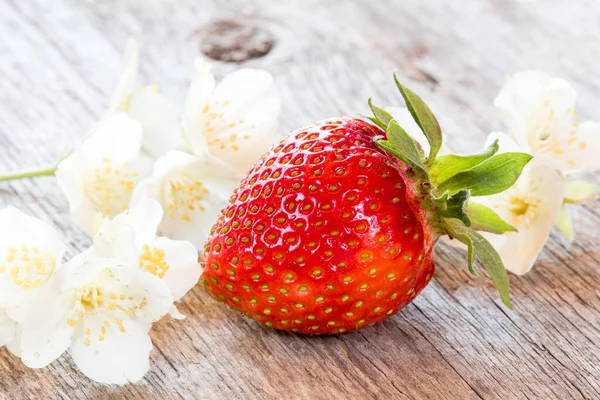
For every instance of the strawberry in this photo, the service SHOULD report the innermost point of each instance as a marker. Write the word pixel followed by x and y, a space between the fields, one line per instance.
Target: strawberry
pixel 333 229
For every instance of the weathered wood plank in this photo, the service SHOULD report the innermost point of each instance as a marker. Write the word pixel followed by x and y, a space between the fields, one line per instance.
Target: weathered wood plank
pixel 59 60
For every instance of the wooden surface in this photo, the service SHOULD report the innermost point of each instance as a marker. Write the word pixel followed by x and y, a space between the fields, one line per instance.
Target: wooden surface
pixel 59 60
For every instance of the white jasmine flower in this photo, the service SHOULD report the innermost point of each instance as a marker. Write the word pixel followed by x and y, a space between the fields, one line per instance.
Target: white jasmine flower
pixel 101 173
pixel 155 112
pixel 102 309
pixel 192 190
pixel 236 118
pixel 30 253
pixel 532 205
pixel 131 236
pixel 539 111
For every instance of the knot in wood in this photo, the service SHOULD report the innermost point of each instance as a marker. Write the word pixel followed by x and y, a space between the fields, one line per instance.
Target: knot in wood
pixel 233 41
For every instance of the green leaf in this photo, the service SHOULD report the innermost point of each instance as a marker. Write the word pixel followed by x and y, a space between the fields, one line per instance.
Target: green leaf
pixel 382 116
pixel 487 255
pixel 459 232
pixel 494 175
pixel 447 166
pixel 578 192
pixel 455 207
pixel 405 146
pixel 565 223
pixel 385 145
pixel 490 260
pixel 375 121
pixel 424 118
pixel 485 219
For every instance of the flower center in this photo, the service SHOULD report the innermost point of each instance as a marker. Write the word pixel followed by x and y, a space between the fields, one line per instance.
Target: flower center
pixel 547 136
pixel 220 132
pixel 91 299
pixel 184 195
pixel 110 187
pixel 28 268
pixel 523 209
pixel 153 261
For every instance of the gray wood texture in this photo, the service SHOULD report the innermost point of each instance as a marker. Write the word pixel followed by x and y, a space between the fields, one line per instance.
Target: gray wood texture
pixel 59 60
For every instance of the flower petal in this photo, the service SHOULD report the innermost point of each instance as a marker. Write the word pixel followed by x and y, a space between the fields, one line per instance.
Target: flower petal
pixel 114 355
pixel 183 269
pixel 7 329
pixel 125 235
pixel 535 106
pixel 31 251
pixel 201 88
pixel 579 150
pixel 192 192
pixel 522 248
pixel 47 330
pixel 128 77
pixel 159 119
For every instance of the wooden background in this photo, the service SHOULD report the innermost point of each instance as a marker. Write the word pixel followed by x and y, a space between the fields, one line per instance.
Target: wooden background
pixel 59 60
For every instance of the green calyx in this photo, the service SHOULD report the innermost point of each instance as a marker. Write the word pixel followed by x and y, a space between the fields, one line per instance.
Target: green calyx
pixel 449 181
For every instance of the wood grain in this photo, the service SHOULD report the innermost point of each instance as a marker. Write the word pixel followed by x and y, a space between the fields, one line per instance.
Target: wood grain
pixel 59 60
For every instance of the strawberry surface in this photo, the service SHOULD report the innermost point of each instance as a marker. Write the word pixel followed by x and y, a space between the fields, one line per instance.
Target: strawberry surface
pixel 325 235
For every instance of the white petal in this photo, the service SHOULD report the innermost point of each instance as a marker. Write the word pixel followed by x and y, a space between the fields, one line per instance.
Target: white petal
pixel 578 150
pixel 522 248
pixel 14 346
pixel 7 329
pixel 536 105
pixel 246 90
pixel 125 235
pixel 192 192
pixel 175 314
pixel 31 251
pixel 201 88
pixel 506 143
pixel 119 357
pixel 119 137
pixel 242 148
pixel 182 267
pixel 128 77
pixel 156 296
pixel 46 333
pixel 159 119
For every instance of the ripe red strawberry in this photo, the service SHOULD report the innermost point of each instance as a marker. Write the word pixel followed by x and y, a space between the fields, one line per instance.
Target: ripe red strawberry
pixel 333 229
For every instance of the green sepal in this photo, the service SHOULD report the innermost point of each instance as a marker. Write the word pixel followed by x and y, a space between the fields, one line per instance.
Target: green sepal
pixel 383 117
pixel 485 219
pixel 494 175
pixel 405 147
pixel 424 118
pixel 565 223
pixel 447 166
pixel 375 121
pixel 577 192
pixel 488 257
pixel 455 207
